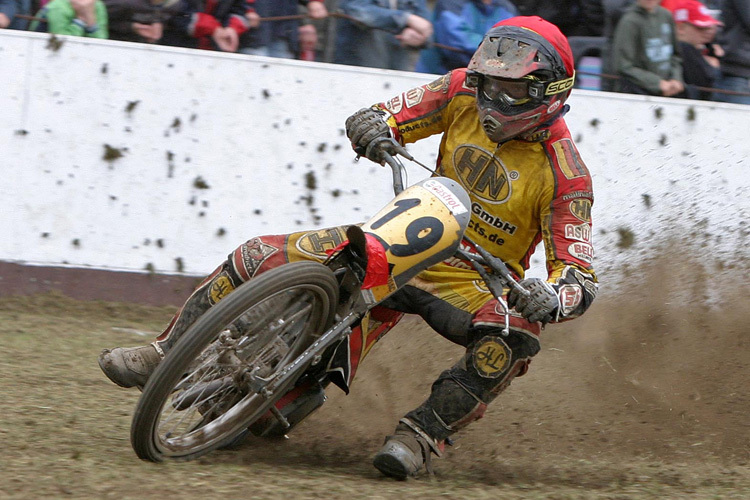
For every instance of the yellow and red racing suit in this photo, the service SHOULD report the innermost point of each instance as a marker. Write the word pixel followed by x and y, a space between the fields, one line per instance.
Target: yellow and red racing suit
pixel 527 190
pixel 523 191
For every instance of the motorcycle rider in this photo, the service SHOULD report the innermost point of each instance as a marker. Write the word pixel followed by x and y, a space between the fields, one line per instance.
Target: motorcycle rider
pixel 505 140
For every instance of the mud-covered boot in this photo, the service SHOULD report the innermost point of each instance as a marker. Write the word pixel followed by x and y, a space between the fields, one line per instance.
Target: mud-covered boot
pixel 406 451
pixel 130 366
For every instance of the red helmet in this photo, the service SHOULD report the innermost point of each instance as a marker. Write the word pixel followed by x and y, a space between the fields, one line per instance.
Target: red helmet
pixel 523 72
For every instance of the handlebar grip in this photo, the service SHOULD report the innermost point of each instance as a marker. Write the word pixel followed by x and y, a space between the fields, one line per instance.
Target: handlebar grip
pixel 397 168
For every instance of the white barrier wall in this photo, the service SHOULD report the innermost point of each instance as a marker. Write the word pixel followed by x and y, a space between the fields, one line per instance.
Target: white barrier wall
pixel 138 157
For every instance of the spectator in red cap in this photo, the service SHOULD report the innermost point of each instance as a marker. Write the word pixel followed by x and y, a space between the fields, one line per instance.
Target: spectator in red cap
pixel 696 30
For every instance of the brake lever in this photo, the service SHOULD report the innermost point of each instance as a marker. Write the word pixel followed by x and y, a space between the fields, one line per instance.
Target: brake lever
pixel 494 263
pixel 497 281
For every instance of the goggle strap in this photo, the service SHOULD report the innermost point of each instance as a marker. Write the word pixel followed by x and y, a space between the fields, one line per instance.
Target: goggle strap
pixel 560 86
pixel 536 90
pixel 473 79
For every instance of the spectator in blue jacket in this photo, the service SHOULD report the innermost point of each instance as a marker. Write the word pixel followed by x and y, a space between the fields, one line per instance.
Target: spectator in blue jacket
pixel 461 24
pixel 9 9
pixel 386 34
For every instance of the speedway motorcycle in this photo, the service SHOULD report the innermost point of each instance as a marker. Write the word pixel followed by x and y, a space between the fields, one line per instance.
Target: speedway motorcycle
pixel 259 360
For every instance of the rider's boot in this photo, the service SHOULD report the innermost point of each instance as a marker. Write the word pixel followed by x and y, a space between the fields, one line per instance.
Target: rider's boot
pixel 131 366
pixel 406 451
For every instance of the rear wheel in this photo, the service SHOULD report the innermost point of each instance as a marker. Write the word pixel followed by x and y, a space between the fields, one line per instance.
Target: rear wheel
pixel 214 382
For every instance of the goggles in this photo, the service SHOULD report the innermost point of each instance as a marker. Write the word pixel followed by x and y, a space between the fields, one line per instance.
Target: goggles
pixel 516 91
pixel 511 91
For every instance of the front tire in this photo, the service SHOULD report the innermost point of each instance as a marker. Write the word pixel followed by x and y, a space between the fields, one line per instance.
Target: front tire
pixel 211 385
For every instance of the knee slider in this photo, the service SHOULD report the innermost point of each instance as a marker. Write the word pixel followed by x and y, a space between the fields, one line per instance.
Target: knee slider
pixel 222 284
pixel 494 360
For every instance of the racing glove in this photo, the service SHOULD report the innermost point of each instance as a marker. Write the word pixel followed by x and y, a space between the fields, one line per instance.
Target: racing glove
pixel 365 128
pixel 541 304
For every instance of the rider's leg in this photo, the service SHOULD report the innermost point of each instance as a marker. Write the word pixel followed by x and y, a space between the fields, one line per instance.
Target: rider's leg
pixel 131 367
pixel 461 394
pixel 446 319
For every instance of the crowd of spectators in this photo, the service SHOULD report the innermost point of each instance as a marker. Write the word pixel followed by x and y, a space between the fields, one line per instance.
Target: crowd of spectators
pixel 683 48
pixel 698 49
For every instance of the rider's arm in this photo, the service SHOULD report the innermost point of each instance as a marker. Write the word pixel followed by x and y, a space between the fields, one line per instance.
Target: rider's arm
pixel 566 231
pixel 424 111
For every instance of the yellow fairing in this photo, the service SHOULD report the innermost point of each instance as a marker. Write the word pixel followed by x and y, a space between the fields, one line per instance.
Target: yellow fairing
pixel 419 228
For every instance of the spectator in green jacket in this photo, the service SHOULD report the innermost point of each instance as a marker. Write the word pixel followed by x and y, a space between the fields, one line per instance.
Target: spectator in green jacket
pixel 74 17
pixel 645 52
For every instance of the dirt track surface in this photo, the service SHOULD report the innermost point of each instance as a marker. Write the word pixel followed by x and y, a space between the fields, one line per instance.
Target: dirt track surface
pixel 638 399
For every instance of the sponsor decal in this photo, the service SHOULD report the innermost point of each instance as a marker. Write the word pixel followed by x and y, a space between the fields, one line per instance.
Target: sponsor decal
pixel 220 287
pixel 560 86
pixel 497 62
pixel 254 252
pixel 580 232
pixel 582 251
pixel 410 127
pixel 581 208
pixel 492 220
pixel 491 357
pixel 569 160
pixel 553 107
pixel 446 196
pixel 442 84
pixel 413 96
pixel 578 194
pixel 479 230
pixel 424 122
pixel 315 243
pixel 482 174
pixel 570 297
pixel 394 105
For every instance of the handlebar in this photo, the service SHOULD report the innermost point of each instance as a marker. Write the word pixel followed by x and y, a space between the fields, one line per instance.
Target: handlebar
pixel 388 148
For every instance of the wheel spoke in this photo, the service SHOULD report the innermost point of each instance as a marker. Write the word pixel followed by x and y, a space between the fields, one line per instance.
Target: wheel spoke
pixel 263 350
pixel 228 356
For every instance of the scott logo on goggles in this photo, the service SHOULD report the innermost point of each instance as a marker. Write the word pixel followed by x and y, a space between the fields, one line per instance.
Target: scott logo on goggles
pixel 560 86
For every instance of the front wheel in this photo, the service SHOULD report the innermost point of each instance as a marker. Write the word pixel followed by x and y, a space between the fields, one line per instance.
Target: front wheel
pixel 215 381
